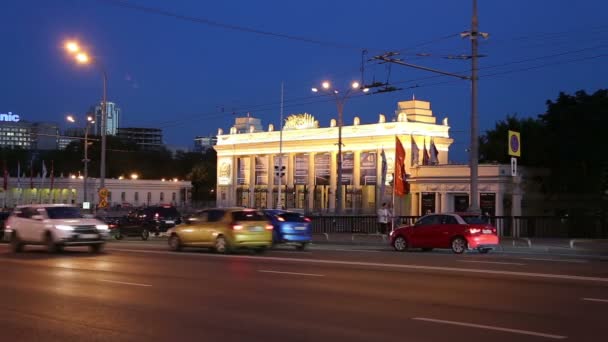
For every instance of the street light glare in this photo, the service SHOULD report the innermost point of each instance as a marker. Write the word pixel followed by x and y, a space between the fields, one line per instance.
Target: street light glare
pixel 365 90
pixel 82 58
pixel 355 85
pixel 326 85
pixel 90 118
pixel 314 90
pixel 134 176
pixel 72 47
pixel 70 118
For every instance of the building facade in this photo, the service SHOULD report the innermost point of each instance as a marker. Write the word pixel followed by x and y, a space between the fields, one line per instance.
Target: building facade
pixel 202 144
pixel 17 133
pixel 113 121
pixel 148 139
pixel 70 190
pixel 247 163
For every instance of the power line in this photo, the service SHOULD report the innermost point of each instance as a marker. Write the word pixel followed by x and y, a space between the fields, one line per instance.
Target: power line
pixel 201 20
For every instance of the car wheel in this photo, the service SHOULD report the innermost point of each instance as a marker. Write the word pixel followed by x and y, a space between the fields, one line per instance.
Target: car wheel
pixel 51 246
pixel 483 250
pixel 175 243
pixel 221 245
pixel 145 234
pixel 400 244
pixel 16 244
pixel 302 246
pixel 459 245
pixel 427 249
pixel 97 248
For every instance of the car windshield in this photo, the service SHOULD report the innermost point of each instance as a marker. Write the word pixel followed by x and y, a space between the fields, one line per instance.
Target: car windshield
pixel 63 213
pixel 474 219
pixel 292 217
pixel 248 215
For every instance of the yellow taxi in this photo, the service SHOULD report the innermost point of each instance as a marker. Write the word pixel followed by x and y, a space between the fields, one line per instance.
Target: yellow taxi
pixel 223 229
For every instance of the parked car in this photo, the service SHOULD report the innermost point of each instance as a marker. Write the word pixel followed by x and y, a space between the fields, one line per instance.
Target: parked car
pixel 223 229
pixel 3 217
pixel 290 228
pixel 459 232
pixel 145 221
pixel 56 226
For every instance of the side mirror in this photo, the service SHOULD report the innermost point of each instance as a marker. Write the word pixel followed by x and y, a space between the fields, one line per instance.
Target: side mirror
pixel 37 217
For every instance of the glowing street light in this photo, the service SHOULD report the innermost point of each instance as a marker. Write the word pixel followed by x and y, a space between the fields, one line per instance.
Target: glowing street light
pixel 340 100
pixel 74 49
pixel 134 176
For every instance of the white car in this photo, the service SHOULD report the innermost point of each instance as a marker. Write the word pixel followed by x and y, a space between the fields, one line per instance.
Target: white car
pixel 54 226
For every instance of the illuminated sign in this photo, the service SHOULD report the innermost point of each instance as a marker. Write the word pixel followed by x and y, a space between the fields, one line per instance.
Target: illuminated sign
pixel 300 121
pixel 10 117
pixel 224 176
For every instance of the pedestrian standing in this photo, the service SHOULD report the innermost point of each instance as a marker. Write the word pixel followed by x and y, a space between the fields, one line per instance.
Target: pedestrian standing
pixel 383 218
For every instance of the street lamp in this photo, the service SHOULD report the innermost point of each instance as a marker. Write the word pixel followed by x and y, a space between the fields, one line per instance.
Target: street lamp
pixel 340 98
pixel 82 57
pixel 86 160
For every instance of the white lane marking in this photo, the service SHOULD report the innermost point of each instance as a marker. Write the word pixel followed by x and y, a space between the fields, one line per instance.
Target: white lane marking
pixel 492 262
pixel 491 327
pixel 357 263
pixel 293 273
pixel 595 300
pixel 346 250
pixel 124 283
pixel 556 260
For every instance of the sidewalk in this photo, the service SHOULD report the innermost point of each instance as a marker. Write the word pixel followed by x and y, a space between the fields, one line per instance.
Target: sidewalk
pixel 546 246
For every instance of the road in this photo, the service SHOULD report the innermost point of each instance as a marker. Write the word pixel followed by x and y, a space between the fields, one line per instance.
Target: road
pixel 142 292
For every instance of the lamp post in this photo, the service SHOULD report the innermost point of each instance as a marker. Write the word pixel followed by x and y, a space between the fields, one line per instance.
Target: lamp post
pixel 86 160
pixel 340 98
pixel 82 57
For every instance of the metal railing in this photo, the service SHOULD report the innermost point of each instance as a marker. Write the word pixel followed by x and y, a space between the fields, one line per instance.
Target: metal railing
pixel 591 227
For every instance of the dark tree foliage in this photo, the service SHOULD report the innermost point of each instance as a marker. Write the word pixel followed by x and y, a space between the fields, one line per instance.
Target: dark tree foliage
pixel 568 139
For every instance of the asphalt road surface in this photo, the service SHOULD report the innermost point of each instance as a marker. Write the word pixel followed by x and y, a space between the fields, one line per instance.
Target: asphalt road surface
pixel 142 292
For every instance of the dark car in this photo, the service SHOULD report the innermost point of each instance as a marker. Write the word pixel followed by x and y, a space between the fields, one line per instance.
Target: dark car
pixel 290 228
pixel 3 216
pixel 145 221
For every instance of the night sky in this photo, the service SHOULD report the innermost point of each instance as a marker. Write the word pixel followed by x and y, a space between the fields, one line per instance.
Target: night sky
pixel 188 77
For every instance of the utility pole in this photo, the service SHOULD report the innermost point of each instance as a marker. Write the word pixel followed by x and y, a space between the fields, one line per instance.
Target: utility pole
pixel 474 149
pixel 281 168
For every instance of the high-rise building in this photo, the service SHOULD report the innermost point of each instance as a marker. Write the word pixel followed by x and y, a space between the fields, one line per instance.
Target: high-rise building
pixel 202 144
pixel 148 139
pixel 17 133
pixel 113 122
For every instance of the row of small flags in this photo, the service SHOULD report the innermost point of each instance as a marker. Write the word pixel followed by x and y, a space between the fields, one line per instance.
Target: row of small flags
pixel 20 176
pixel 429 157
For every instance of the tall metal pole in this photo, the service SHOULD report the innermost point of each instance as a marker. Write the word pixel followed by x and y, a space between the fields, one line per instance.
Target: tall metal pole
pixel 104 124
pixel 340 103
pixel 86 160
pixel 474 157
pixel 279 201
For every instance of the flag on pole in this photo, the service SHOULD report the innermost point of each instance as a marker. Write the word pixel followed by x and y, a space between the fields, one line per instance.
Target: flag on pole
pixel 5 184
pixel 32 174
pixel 415 152
pixel 434 153
pixel 43 175
pixel 401 184
pixel 383 174
pixel 52 173
pixel 19 174
pixel 425 155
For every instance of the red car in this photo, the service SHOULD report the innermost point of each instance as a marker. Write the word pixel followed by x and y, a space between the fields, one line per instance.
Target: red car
pixel 460 232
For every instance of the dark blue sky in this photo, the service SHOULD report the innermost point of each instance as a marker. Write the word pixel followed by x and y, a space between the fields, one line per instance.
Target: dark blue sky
pixel 178 75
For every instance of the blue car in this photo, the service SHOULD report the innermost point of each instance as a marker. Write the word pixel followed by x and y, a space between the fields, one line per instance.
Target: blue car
pixel 290 228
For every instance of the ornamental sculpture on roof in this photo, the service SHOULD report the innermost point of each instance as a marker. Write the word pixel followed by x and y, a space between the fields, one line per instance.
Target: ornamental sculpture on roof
pixel 300 121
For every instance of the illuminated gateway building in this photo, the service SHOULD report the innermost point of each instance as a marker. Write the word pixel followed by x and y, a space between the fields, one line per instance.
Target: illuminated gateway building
pixel 247 164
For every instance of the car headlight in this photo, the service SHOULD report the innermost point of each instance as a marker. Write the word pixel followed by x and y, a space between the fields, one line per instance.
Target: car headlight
pixel 64 227
pixel 102 227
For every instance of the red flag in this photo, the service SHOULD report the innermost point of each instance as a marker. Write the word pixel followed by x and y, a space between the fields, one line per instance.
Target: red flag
pixel 52 173
pixel 5 185
pixel 425 155
pixel 401 185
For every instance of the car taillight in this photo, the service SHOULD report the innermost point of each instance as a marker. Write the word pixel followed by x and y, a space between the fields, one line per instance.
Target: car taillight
pixel 237 227
pixel 474 230
pixel 279 218
pixel 307 219
pixel 268 227
pixel 156 215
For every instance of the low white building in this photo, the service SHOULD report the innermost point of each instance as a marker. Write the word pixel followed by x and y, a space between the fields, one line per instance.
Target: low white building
pixel 70 190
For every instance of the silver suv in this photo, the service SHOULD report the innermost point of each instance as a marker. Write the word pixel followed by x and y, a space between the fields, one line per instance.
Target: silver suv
pixel 54 226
